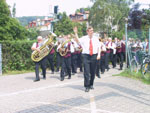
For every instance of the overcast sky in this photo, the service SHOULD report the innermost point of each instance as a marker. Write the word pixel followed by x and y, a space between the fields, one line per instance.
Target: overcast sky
pixel 44 7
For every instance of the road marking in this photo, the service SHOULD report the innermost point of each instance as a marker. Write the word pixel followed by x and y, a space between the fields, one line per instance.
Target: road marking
pixel 38 89
pixel 92 103
pixel 75 107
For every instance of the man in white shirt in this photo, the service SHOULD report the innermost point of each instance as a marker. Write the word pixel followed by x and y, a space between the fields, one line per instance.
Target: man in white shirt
pixel 91 53
pixel 36 47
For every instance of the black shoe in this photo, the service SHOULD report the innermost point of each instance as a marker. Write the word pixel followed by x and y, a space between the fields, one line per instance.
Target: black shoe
pixel 120 69
pixel 108 69
pixel 98 76
pixel 52 72
pixel 91 87
pixel 61 79
pixel 69 77
pixel 36 80
pixel 57 70
pixel 87 89
pixel 44 78
pixel 102 72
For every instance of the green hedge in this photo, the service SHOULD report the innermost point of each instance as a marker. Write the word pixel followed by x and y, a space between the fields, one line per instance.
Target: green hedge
pixel 16 55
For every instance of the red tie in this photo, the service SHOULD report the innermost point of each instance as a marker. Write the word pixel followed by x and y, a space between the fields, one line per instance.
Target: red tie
pixel 91 47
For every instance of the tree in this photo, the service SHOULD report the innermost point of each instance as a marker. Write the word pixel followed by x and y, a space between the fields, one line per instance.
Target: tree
pixel 139 21
pixel 14 11
pixel 135 17
pixel 63 26
pixel 10 27
pixel 105 15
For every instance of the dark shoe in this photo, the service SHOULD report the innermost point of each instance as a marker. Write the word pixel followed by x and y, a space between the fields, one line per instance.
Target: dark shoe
pixel 102 72
pixel 108 69
pixel 87 89
pixel 52 72
pixel 44 78
pixel 61 79
pixel 73 73
pixel 91 87
pixel 98 76
pixel 69 77
pixel 120 69
pixel 57 70
pixel 36 80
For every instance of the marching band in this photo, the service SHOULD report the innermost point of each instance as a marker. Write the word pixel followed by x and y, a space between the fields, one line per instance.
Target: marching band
pixel 91 53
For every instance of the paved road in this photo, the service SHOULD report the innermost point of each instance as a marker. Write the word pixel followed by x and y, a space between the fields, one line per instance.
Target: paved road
pixel 111 94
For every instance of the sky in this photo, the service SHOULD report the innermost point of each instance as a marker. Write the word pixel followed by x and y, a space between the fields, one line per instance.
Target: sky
pixel 45 7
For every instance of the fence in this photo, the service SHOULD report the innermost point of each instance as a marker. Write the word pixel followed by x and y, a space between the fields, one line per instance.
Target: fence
pixel 137 46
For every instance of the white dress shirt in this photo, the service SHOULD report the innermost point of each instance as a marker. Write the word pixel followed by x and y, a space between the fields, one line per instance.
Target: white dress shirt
pixel 85 43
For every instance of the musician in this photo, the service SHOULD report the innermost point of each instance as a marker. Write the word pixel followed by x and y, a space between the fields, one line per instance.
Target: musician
pixel 50 57
pixel 119 53
pixel 42 63
pixel 115 52
pixel 102 59
pixel 108 51
pixel 66 60
pixel 58 56
pixel 91 53
pixel 98 63
pixel 74 56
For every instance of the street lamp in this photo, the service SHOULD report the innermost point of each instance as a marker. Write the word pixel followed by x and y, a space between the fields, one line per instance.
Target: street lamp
pixel 126 27
pixel 149 43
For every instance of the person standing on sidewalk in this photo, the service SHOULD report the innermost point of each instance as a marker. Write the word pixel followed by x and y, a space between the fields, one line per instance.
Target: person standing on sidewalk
pixel 90 53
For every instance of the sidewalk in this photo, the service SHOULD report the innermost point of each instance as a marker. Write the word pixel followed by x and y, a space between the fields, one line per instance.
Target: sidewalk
pixel 111 94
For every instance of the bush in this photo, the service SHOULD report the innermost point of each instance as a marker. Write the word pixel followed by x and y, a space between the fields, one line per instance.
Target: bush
pixel 16 55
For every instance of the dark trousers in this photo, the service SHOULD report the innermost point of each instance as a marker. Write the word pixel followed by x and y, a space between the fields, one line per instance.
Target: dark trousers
pixel 74 63
pixel 120 55
pixel 102 63
pixel 89 63
pixel 66 66
pixel 114 59
pixel 107 58
pixel 58 61
pixel 111 56
pixel 124 56
pixel 41 63
pixel 79 61
pixel 50 58
pixel 97 68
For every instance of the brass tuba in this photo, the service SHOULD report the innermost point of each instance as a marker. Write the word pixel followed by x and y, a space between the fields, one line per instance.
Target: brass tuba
pixel 62 50
pixel 44 50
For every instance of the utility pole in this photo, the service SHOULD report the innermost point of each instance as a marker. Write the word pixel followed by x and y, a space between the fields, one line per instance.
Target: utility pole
pixel 0 59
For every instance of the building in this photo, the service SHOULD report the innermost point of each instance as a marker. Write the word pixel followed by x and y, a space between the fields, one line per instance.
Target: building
pixel 80 17
pixel 42 24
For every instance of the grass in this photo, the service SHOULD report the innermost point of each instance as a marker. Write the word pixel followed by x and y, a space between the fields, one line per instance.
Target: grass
pixel 137 76
pixel 17 72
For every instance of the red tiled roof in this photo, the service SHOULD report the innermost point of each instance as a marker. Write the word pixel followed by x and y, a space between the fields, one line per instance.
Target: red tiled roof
pixel 47 24
pixel 87 12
